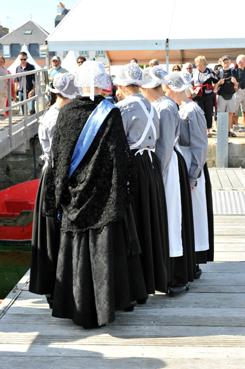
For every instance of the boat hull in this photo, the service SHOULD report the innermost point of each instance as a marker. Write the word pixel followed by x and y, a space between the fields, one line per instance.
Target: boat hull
pixel 16 211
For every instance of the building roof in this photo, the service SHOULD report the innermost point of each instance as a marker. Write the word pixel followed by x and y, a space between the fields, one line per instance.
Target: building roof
pixel 28 33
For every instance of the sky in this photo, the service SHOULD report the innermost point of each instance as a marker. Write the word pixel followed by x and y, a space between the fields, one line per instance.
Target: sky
pixel 15 13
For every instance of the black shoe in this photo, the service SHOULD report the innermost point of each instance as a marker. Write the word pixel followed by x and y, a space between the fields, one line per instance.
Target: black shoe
pixel 142 301
pixel 50 300
pixel 130 307
pixel 198 272
pixel 177 290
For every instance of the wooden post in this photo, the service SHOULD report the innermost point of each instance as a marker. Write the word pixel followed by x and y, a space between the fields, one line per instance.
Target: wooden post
pixel 222 140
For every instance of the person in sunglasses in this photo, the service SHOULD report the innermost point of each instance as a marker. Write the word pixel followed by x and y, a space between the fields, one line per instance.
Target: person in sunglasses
pixel 29 81
pixel 55 70
pixel 80 60
pixel 226 90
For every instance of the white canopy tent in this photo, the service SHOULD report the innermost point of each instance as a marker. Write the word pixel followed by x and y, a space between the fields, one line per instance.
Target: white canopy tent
pixel 70 61
pixel 160 29
pixel 14 65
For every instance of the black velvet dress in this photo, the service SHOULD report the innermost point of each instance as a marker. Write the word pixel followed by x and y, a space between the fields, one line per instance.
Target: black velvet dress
pixel 149 205
pixel 45 244
pixel 183 268
pixel 97 268
pixel 203 257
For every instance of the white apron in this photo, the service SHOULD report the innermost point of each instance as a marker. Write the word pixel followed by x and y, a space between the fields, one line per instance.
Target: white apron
pixel 173 199
pixel 199 207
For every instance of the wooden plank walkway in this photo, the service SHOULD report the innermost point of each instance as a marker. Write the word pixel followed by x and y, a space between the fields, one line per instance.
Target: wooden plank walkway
pixel 204 328
pixel 228 190
pixel 227 179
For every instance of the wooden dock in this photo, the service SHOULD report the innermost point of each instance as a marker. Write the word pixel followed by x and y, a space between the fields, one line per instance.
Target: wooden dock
pixel 202 329
pixel 227 179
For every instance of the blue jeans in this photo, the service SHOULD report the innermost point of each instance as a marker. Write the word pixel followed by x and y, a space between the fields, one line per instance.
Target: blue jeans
pixel 30 105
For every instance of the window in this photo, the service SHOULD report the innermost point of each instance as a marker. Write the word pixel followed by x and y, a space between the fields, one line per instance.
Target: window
pixel 34 50
pixel 84 53
pixel 43 51
pixel 100 53
pixel 6 51
pixel 28 32
pixel 14 50
pixel 1 49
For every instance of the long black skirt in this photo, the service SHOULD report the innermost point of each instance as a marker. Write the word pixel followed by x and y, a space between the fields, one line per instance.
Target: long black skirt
pixel 203 257
pixel 183 268
pixel 87 275
pixel 97 274
pixel 149 205
pixel 45 244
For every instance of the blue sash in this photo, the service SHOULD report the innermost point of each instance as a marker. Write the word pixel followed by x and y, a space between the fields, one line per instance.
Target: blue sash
pixel 89 132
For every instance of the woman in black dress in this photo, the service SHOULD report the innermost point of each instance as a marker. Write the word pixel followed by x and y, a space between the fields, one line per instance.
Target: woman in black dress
pixel 88 190
pixel 45 229
pixel 203 81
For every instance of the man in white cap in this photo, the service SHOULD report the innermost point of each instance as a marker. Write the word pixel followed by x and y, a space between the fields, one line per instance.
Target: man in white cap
pixel 56 68
pixel 194 146
pixel 88 187
pixel 141 125
pixel 179 240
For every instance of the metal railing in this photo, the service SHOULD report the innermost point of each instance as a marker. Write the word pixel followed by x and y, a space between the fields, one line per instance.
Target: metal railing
pixel 16 126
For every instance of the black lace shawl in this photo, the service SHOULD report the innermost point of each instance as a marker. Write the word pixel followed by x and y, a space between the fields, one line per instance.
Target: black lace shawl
pixel 99 190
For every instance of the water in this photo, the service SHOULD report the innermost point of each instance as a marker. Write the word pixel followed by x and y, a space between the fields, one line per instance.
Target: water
pixel 15 260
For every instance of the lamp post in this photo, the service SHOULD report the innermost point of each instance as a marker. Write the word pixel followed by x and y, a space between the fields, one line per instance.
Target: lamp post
pixel 167 53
